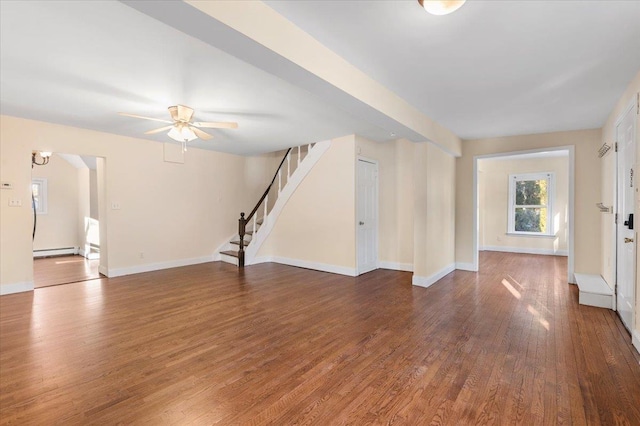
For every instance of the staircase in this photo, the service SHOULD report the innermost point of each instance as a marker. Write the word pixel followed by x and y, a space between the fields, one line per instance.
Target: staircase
pixel 254 229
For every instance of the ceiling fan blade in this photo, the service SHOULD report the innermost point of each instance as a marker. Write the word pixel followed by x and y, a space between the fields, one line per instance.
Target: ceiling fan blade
pixel 220 125
pixel 199 133
pixel 144 118
pixel 161 129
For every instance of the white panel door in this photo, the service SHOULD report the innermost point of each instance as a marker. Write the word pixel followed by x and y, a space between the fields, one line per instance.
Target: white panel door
pixel 626 234
pixel 367 216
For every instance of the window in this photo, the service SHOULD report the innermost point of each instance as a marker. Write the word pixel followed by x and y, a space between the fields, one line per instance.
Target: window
pixel 39 191
pixel 530 203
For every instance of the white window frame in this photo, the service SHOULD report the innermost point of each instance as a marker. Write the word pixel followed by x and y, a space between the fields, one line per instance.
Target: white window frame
pixel 551 195
pixel 42 196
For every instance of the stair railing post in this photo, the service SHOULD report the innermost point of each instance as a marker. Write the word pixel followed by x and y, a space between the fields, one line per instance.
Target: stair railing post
pixel 298 155
pixel 255 218
pixel 288 166
pixel 241 232
pixel 264 217
pixel 279 181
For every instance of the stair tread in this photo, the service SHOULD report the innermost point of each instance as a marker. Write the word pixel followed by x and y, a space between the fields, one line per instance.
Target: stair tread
pixel 593 284
pixel 230 253
pixel 237 242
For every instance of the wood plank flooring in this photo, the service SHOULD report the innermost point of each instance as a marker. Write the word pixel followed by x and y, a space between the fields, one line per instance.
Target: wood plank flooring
pixel 211 344
pixel 48 271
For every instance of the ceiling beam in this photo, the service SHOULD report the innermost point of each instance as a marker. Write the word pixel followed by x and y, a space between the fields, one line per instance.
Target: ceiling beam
pixel 258 35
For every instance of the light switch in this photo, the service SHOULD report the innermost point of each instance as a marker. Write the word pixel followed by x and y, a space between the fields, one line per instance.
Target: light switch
pixel 14 202
pixel 115 206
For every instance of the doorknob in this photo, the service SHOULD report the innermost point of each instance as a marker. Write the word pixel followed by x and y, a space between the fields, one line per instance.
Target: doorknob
pixel 361 223
pixel 628 240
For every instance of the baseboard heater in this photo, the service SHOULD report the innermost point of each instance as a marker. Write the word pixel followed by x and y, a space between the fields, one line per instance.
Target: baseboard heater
pixel 55 252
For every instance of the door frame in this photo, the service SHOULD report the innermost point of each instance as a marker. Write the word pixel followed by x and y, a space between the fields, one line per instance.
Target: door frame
pixel 629 109
pixel 376 209
pixel 570 240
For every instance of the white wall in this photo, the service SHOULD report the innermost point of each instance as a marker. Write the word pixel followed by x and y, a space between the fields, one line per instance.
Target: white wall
pixel 170 213
pixel 493 197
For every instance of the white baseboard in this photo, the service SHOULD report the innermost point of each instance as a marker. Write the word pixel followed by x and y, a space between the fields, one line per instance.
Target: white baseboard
pixel 396 266
pixel 524 250
pixel 118 272
pixel 635 339
pixel 102 270
pixel 432 279
pixel 55 252
pixel 462 266
pixel 16 288
pixel 324 267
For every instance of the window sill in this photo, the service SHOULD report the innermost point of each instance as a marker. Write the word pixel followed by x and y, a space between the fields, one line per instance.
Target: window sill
pixel 526 234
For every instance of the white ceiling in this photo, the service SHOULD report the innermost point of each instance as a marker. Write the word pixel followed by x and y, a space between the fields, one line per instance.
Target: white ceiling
pixel 493 68
pixel 79 63
pixel 490 69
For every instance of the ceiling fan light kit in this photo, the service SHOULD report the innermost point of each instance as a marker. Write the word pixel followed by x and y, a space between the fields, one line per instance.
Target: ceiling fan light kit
pixel 441 7
pixel 182 128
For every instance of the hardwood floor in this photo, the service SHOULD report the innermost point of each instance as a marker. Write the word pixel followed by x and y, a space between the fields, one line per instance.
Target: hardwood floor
pixel 211 344
pixel 48 271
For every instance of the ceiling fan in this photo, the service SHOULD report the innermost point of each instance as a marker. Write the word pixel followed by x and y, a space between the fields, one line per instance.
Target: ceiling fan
pixel 181 127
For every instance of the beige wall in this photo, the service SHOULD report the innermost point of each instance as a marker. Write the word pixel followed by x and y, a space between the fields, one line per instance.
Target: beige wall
pixel 587 189
pixel 395 199
pixel 58 228
pixel 493 197
pixel 318 223
pixel 169 212
pixel 434 211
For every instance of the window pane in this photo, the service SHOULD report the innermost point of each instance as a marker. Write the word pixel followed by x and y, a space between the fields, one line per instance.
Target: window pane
pixel 531 192
pixel 35 188
pixel 531 220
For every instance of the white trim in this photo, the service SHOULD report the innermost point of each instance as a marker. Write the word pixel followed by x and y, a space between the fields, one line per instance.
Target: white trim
pixel 16 287
pixel 465 266
pixel 432 279
pixel 296 178
pixel 377 212
pixel 56 252
pixel 43 196
pixel 526 250
pixel 635 339
pixel 118 272
pixel 570 242
pixel 395 266
pixel 103 270
pixel 317 266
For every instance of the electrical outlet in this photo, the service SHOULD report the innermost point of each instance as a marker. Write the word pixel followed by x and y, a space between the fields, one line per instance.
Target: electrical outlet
pixel 115 206
pixel 15 202
pixel 141 255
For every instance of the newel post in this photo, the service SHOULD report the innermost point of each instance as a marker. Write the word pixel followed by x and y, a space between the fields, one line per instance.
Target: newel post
pixel 242 222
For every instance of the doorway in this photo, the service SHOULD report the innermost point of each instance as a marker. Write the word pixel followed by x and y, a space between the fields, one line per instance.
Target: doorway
pixel 66 218
pixel 555 237
pixel 366 215
pixel 625 232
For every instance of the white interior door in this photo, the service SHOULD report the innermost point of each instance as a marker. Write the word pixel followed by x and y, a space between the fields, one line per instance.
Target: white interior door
pixel 626 234
pixel 367 216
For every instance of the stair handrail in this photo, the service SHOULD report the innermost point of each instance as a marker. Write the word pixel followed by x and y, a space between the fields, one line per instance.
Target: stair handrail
pixel 242 222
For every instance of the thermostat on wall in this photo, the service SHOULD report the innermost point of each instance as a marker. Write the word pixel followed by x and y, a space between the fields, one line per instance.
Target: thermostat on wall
pixel 6 185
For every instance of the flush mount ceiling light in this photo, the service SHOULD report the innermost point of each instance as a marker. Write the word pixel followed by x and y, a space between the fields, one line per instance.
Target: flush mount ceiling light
pixel 441 7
